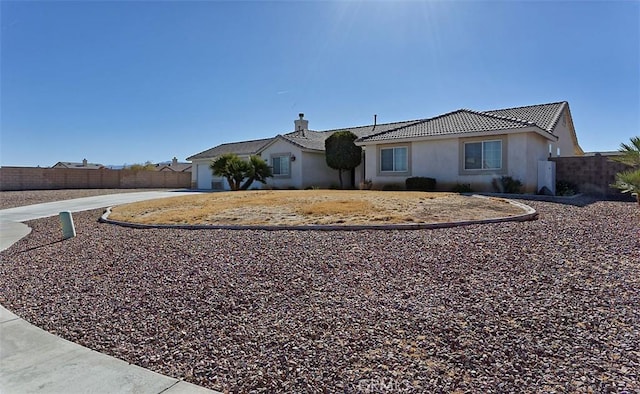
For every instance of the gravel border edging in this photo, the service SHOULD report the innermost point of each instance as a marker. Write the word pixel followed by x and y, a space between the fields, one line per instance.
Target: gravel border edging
pixel 530 214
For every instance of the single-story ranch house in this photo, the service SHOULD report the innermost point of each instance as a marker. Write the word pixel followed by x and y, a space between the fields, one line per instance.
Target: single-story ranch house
pixel 459 147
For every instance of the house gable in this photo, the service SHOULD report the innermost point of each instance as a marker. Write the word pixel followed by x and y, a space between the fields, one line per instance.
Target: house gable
pixel 554 118
pixel 242 148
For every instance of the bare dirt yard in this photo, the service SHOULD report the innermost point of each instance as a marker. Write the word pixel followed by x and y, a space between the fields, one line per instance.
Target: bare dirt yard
pixel 314 207
pixel 544 306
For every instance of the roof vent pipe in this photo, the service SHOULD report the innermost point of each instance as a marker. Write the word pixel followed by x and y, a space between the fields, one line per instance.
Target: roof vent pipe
pixel 375 120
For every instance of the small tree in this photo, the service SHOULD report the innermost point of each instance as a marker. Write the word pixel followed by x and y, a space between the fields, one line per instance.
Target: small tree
pixel 258 170
pixel 341 152
pixel 629 181
pixel 147 166
pixel 231 167
pixel 235 170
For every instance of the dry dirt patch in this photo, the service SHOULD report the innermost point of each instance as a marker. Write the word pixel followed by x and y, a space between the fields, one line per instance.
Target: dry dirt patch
pixel 314 207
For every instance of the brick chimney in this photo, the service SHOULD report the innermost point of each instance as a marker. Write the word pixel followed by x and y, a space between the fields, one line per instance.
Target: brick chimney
pixel 301 124
pixel 174 162
pixel 84 163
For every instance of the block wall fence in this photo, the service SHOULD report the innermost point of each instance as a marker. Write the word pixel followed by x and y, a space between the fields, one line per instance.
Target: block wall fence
pixel 33 178
pixel 591 174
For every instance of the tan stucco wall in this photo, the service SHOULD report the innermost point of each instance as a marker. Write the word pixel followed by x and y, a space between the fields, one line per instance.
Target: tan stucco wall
pixel 294 179
pixel 565 138
pixel 532 146
pixel 316 172
pixel 441 159
pixel 372 166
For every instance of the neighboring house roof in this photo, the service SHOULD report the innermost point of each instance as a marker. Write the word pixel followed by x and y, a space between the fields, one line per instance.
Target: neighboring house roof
pixel 179 167
pixel 80 166
pixel 543 117
pixel 606 153
pixel 240 148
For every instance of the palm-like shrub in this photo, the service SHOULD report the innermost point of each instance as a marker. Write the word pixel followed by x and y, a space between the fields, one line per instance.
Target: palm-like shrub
pixel 630 153
pixel 257 170
pixel 235 170
pixel 230 167
pixel 629 181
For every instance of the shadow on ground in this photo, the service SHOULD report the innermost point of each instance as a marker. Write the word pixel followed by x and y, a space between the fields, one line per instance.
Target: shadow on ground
pixel 579 200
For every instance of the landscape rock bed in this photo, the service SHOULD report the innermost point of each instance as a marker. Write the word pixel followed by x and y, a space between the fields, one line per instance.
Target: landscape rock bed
pixel 543 306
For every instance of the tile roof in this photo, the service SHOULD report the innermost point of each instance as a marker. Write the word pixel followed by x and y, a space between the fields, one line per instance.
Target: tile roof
pixel 314 140
pixel 460 121
pixel 543 116
pixel 310 139
pixel 240 148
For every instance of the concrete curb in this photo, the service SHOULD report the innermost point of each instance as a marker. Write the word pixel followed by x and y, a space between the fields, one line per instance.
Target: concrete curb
pixel 530 214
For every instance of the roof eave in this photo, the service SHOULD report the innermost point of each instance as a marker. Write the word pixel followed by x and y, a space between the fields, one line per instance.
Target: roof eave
pixel 529 129
pixel 577 148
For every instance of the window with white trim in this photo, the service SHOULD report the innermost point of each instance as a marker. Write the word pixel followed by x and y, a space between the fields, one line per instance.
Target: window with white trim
pixel 394 159
pixel 484 155
pixel 280 165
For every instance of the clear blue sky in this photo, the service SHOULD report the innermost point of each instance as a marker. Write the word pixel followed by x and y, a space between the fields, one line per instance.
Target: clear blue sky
pixel 126 82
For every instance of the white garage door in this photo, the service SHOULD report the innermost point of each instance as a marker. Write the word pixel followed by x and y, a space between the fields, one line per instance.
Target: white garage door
pixel 204 177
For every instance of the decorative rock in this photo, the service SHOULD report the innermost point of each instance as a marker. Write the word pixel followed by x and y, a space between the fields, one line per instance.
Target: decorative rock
pixel 535 306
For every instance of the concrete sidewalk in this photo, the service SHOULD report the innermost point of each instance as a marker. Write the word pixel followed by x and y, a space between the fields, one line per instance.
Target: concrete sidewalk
pixel 38 211
pixel 12 232
pixel 35 361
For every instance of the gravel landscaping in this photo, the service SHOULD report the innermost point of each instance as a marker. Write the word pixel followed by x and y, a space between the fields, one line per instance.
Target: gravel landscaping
pixel 543 306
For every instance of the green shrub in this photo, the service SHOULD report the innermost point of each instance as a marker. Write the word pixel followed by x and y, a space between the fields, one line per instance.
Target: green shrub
pixel 565 188
pixel 392 187
pixel 629 182
pixel 462 188
pixel 420 184
pixel 506 184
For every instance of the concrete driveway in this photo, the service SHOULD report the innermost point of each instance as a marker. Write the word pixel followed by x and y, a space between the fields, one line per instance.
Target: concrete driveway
pixel 12 229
